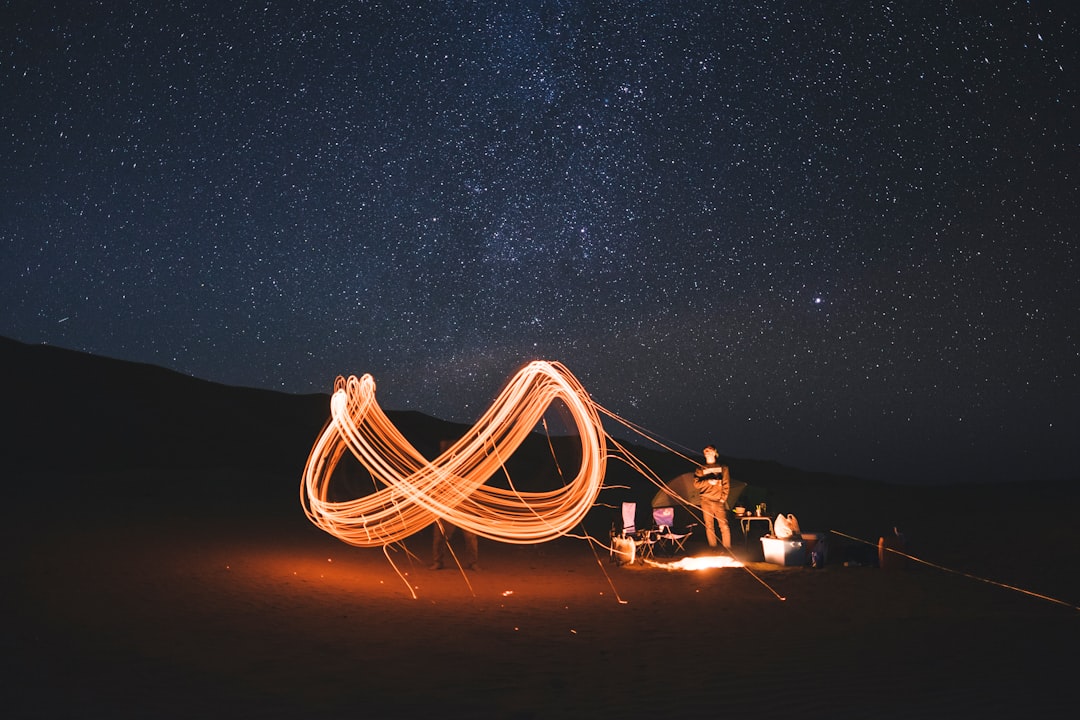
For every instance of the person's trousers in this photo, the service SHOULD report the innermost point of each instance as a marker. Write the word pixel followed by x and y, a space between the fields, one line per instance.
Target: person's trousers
pixel 443 532
pixel 716 512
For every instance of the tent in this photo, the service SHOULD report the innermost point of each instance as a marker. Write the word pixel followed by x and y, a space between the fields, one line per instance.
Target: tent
pixel 680 492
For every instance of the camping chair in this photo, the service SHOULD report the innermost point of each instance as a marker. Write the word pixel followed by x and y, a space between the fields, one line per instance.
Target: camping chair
pixel 630 544
pixel 667 540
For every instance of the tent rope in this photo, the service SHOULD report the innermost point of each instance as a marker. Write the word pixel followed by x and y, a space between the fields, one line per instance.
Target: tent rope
pixel 961 572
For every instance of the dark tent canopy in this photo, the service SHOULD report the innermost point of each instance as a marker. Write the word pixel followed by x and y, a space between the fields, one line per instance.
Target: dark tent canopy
pixel 680 492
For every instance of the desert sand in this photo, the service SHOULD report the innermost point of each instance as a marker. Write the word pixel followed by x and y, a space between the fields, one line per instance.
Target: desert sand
pixel 193 606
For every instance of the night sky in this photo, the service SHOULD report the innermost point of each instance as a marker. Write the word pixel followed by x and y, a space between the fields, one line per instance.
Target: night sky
pixel 836 235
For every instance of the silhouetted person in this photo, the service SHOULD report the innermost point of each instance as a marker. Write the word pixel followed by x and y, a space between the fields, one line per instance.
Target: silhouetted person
pixel 442 532
pixel 713 481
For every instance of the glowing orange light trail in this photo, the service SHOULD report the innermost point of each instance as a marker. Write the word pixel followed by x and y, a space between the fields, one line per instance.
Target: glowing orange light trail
pixel 415 491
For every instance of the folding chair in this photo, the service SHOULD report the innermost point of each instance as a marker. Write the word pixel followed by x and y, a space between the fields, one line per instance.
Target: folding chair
pixel 630 544
pixel 667 540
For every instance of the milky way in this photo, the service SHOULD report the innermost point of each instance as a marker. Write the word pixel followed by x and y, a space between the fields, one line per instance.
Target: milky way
pixel 836 235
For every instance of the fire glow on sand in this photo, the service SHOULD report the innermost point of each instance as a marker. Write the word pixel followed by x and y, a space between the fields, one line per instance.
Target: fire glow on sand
pixel 452 487
pixel 702 562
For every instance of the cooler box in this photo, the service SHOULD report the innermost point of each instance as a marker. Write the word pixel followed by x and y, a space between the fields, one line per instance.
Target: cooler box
pixel 783 551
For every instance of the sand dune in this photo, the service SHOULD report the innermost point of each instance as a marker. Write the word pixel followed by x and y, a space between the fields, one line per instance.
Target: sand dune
pixel 157 564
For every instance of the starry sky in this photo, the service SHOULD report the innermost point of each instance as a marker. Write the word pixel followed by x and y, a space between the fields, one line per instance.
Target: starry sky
pixel 836 235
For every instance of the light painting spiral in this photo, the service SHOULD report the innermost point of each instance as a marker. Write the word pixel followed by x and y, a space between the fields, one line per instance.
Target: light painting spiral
pixel 412 492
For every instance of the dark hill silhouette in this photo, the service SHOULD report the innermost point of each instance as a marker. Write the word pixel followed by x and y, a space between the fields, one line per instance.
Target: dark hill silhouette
pixel 75 414
pixel 78 412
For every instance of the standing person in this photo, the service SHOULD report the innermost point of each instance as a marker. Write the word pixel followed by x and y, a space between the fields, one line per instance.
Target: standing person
pixel 440 541
pixel 443 531
pixel 713 481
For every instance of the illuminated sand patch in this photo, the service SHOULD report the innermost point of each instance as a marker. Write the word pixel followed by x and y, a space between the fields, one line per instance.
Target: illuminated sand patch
pixel 706 562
